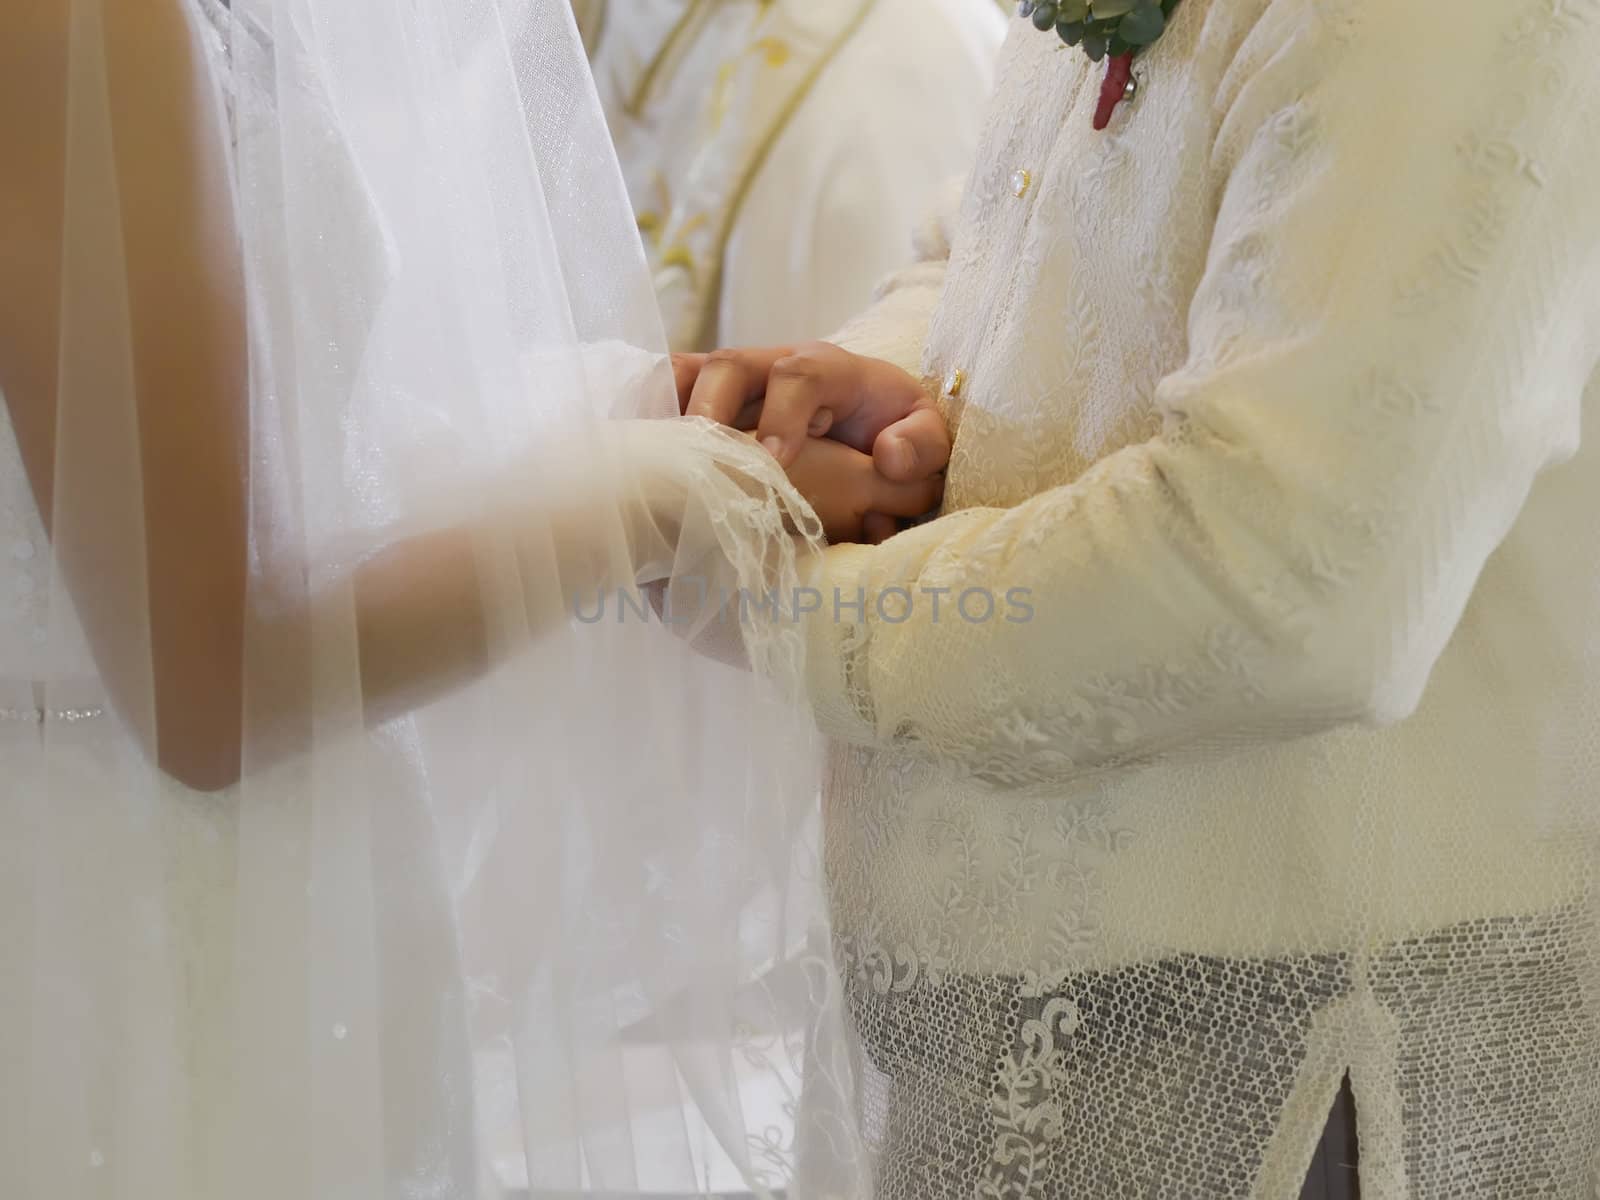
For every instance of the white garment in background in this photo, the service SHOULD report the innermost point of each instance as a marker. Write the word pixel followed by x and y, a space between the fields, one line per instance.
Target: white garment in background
pixel 816 214
pixel 1270 396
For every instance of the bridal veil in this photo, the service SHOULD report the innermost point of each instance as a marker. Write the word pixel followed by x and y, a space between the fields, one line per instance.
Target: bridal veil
pixel 561 928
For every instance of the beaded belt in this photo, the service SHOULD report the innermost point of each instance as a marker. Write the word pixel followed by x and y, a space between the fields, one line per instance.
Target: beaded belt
pixel 38 716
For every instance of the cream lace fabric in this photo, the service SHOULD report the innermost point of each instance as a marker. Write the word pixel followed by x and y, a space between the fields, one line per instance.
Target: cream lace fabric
pixel 1236 726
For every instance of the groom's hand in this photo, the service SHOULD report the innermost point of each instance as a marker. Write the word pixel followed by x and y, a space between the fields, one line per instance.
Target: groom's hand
pixel 788 394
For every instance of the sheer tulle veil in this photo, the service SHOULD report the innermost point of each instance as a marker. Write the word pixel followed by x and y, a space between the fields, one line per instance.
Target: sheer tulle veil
pixel 561 928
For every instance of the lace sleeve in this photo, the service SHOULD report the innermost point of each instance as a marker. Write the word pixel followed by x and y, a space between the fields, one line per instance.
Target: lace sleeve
pixel 1389 343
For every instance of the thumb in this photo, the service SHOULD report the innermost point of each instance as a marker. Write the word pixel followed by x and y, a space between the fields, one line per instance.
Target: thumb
pixel 685 371
pixel 913 448
pixel 911 499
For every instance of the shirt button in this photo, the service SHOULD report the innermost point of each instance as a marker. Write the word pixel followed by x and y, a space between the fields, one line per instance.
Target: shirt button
pixel 954 382
pixel 1021 181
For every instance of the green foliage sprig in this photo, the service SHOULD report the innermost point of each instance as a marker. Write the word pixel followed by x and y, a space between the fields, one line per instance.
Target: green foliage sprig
pixel 1104 28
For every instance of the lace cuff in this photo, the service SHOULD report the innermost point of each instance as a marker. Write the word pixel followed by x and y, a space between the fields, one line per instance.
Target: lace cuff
pixel 836 648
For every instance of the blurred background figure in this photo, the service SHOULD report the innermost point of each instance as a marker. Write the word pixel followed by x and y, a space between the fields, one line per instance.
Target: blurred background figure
pixel 778 151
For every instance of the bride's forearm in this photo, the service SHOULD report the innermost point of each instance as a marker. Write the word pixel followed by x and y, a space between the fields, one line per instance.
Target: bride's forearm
pixel 132 417
pixel 435 611
pixel 429 613
pixel 633 507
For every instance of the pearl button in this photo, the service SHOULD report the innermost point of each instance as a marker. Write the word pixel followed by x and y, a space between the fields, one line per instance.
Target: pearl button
pixel 954 382
pixel 1021 181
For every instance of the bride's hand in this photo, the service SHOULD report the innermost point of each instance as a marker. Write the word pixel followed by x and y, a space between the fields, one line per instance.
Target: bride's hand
pixel 853 499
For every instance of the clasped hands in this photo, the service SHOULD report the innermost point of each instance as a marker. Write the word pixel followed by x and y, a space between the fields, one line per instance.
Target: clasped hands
pixel 860 438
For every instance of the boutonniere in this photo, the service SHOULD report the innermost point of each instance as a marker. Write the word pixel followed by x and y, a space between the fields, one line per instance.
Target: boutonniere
pixel 1114 30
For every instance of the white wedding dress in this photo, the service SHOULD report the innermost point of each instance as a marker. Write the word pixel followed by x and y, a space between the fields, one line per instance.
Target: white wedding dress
pixel 188 843
pixel 527 930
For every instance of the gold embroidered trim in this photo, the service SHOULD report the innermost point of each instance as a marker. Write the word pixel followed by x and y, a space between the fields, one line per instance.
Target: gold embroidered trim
pixel 764 151
pixel 693 17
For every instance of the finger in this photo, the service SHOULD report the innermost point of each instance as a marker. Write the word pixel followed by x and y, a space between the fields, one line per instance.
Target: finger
pixel 913 448
pixel 749 416
pixel 911 499
pixel 730 379
pixel 877 528
pixel 685 370
pixel 839 483
pixel 806 393
pixel 883 395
